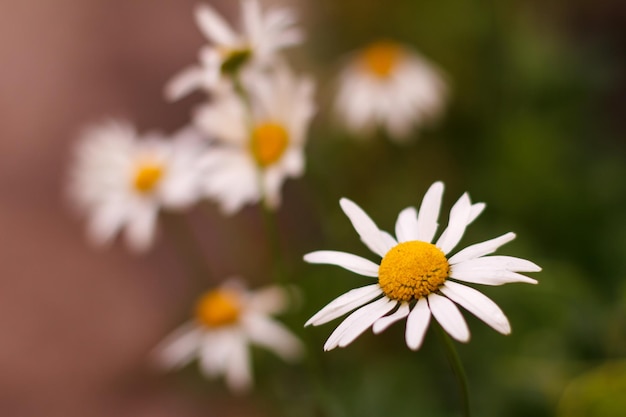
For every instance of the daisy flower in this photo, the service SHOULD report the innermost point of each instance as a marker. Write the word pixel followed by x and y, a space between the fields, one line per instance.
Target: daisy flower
pixel 120 180
pixel 418 279
pixel 262 35
pixel 227 321
pixel 258 142
pixel 390 86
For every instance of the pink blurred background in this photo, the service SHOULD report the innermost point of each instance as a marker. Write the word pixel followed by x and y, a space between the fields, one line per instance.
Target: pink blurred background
pixel 76 323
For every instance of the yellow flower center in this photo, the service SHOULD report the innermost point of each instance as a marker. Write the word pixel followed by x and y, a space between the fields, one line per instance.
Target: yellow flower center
pixel 147 176
pixel 218 308
pixel 381 58
pixel 412 270
pixel 268 143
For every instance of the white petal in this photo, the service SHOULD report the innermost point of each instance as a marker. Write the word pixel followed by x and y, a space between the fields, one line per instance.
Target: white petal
pixel 141 228
pixel 357 322
pixel 449 316
pixel 269 300
pixel 273 336
pixel 105 223
pixel 476 210
pixel 252 18
pixel 345 260
pixel 183 83
pixel 459 216
pixel 370 234
pixel 178 348
pixel 345 303
pixel 214 351
pixel 213 26
pixel 384 322
pixel 489 276
pixel 238 373
pixel 406 225
pixel 478 304
pixel 416 324
pixel 429 212
pixel 507 263
pixel 480 249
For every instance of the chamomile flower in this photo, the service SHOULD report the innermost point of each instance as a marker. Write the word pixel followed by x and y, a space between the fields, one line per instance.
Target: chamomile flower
pixel 390 86
pixel 418 279
pixel 121 181
pixel 227 321
pixel 263 34
pixel 258 143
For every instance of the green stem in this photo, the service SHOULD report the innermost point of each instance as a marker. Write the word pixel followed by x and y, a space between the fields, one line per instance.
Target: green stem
pixel 457 368
pixel 273 237
pixel 187 245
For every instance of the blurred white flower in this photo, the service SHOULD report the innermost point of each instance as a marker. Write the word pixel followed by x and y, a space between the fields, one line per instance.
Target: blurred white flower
pixel 120 181
pixel 390 86
pixel 416 278
pixel 227 321
pixel 257 142
pixel 262 35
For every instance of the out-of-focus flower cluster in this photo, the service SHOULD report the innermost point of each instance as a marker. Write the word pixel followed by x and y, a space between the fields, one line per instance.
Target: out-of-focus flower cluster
pixel 242 143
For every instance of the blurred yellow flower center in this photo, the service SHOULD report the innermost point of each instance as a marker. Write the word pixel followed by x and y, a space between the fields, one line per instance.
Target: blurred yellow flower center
pixel 218 308
pixel 147 176
pixel 412 270
pixel 268 143
pixel 381 58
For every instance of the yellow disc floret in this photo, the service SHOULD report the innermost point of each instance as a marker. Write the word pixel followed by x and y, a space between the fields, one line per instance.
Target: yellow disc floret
pixel 412 270
pixel 268 143
pixel 147 176
pixel 218 308
pixel 381 58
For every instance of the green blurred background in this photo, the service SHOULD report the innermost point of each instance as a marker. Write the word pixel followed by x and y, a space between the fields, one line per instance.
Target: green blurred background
pixel 534 127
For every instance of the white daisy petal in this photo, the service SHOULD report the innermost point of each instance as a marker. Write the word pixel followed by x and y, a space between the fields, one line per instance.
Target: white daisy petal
pixel 459 216
pixel 345 260
pixel 183 83
pixel 478 304
pixel 449 316
pixel 361 325
pixel 357 322
pixel 214 351
pixel 344 304
pixel 416 324
pixel 429 213
pixel 386 321
pixel 477 209
pixel 237 372
pixel 140 232
pixel 370 234
pixel 481 249
pixel 179 348
pixel 489 276
pixel 213 26
pixel 273 336
pixel 507 263
pixel 406 225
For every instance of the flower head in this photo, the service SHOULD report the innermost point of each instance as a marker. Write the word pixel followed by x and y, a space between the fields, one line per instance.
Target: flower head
pixel 227 321
pixel 257 144
pixel 262 35
pixel 390 86
pixel 418 278
pixel 121 180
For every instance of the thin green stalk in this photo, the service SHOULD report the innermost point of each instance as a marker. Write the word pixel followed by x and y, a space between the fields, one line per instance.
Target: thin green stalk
pixel 187 245
pixel 457 368
pixel 273 237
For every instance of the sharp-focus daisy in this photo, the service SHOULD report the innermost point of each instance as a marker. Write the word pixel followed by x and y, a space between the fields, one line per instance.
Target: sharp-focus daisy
pixel 262 35
pixel 390 86
pixel 258 143
pixel 121 180
pixel 227 321
pixel 417 278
